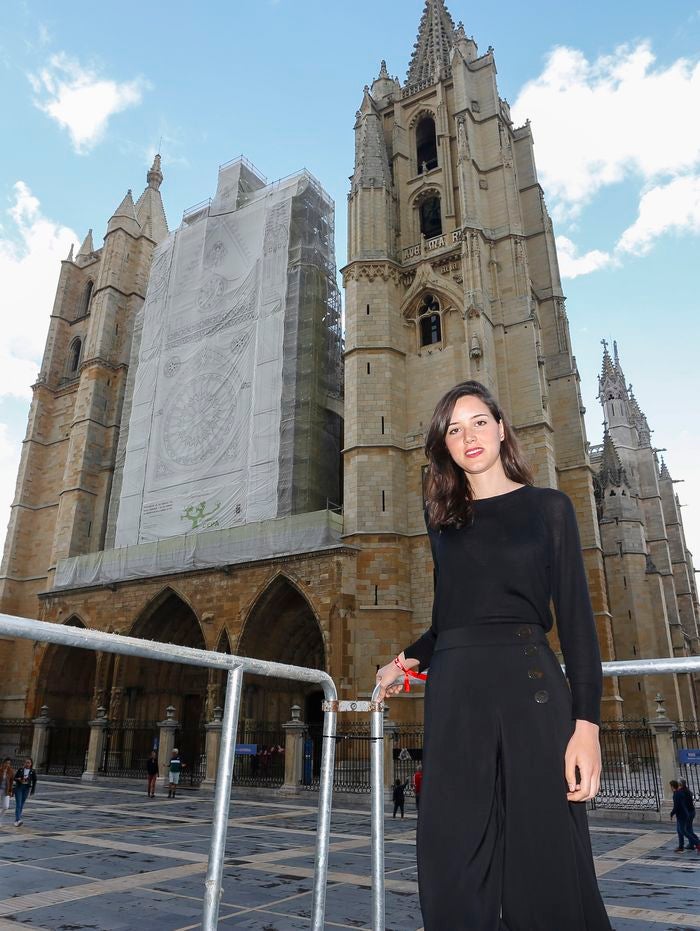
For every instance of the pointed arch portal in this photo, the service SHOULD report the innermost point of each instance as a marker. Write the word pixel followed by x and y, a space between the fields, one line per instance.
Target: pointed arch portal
pixel 281 627
pixel 66 681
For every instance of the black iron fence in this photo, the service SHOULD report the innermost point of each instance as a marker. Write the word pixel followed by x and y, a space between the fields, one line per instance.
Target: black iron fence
pixel 407 754
pixel 191 742
pixel 259 755
pixel 630 778
pixel 352 758
pixel 66 750
pixel 127 747
pixel 16 739
pixel 687 737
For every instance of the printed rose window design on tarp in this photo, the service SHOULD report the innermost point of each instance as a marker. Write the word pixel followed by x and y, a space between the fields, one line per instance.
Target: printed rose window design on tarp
pixel 198 419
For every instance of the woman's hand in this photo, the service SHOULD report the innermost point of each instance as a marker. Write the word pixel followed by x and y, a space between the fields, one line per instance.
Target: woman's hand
pixel 390 676
pixel 583 752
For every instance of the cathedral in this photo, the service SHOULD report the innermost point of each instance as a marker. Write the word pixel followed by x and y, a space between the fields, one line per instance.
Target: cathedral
pixel 207 464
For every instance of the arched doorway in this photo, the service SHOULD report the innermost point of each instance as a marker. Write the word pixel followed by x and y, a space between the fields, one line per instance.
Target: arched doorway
pixel 66 686
pixel 281 627
pixel 143 689
pixel 66 681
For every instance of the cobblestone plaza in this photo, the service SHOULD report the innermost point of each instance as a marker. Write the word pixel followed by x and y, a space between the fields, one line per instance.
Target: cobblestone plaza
pixel 103 857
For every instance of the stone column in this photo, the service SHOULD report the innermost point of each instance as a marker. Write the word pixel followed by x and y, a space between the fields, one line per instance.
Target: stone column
pixel 96 746
pixel 213 729
pixel 166 742
pixel 293 751
pixel 663 727
pixel 40 738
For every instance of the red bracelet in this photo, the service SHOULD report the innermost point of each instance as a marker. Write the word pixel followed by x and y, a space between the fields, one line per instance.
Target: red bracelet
pixel 408 672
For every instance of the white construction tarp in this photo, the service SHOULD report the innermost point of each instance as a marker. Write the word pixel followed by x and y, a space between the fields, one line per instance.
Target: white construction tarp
pixel 203 448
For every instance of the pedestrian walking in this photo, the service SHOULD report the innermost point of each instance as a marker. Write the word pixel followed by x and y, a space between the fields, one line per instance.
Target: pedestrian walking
pixel 6 784
pixel 399 796
pixel 682 813
pixel 689 799
pixel 175 767
pixel 152 774
pixel 417 783
pixel 511 752
pixel 24 786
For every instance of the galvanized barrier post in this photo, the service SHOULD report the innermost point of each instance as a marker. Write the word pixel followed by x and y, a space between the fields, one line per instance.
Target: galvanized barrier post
pixel 222 795
pixel 377 788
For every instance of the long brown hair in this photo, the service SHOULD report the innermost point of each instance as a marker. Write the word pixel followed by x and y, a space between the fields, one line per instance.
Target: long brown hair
pixel 448 492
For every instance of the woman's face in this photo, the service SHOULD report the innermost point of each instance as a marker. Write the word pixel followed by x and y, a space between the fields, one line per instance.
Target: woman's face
pixel 474 436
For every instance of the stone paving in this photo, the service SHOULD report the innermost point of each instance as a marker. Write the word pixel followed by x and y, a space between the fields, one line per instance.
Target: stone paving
pixel 109 858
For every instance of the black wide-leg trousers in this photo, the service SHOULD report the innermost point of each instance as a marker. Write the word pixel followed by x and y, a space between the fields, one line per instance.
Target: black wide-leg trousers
pixel 499 846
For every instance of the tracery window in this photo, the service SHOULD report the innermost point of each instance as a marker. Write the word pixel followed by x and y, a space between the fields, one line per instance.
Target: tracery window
pixel 74 356
pixel 429 321
pixel 430 217
pixel 426 145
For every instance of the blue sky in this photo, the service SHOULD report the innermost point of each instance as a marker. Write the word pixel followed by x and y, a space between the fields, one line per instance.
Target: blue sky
pixel 612 89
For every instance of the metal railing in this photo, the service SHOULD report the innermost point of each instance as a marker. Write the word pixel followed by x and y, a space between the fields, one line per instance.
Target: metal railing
pixel 235 666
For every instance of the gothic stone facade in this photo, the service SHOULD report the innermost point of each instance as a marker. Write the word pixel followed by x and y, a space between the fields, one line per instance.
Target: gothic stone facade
pixel 452 274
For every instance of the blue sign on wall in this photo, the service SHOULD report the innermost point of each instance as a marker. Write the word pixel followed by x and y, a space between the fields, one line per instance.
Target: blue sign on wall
pixel 689 756
pixel 246 749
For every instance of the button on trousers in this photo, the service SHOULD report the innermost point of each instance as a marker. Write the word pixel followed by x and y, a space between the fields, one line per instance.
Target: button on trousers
pixel 500 848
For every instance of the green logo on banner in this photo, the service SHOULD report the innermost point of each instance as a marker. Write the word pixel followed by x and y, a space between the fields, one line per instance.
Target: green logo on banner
pixel 199 516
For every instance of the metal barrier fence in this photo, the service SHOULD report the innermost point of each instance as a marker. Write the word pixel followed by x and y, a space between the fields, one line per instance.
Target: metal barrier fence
pixel 235 666
pixel 351 772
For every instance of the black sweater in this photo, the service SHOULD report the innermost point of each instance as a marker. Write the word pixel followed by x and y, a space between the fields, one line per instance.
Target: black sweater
pixel 521 551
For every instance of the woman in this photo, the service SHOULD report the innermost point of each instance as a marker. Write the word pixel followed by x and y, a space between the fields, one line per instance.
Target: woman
pixel 151 774
pixel 24 785
pixel 6 784
pixel 511 752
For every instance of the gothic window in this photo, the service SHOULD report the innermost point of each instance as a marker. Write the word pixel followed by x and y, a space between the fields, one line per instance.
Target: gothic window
pixel 430 219
pixel 429 321
pixel 87 297
pixel 426 145
pixel 74 357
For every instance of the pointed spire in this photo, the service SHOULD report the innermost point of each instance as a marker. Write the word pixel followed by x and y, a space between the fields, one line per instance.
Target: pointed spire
pixel 70 254
pixel 611 381
pixel 663 472
pixel 371 156
pixel 150 212
pixel 124 217
pixel 611 471
pixel 431 52
pixel 639 419
pixel 87 247
pixel 154 177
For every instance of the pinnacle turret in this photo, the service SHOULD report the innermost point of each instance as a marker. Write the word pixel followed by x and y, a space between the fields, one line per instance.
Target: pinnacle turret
pixel 431 52
pixel 150 212
pixel 611 472
pixel 124 217
pixel 663 471
pixel 371 156
pixel 611 382
pixel 639 419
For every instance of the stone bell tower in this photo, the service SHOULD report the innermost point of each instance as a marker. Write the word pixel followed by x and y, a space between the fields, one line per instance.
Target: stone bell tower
pixel 68 456
pixel 452 274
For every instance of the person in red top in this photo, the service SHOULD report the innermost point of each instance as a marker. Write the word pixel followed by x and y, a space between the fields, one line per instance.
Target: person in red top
pixel 417 782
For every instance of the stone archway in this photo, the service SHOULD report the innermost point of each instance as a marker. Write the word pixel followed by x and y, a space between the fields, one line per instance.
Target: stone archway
pixel 281 627
pixel 66 681
pixel 142 689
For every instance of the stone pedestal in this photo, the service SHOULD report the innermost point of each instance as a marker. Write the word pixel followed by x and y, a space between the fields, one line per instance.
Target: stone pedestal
pixel 663 728
pixel 213 729
pixel 40 738
pixel 293 751
pixel 166 743
pixel 96 746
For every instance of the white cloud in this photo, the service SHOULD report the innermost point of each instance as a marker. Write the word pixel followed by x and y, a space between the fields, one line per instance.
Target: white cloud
pixel 572 265
pixel 598 122
pixel 664 208
pixel 31 249
pixel 81 101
